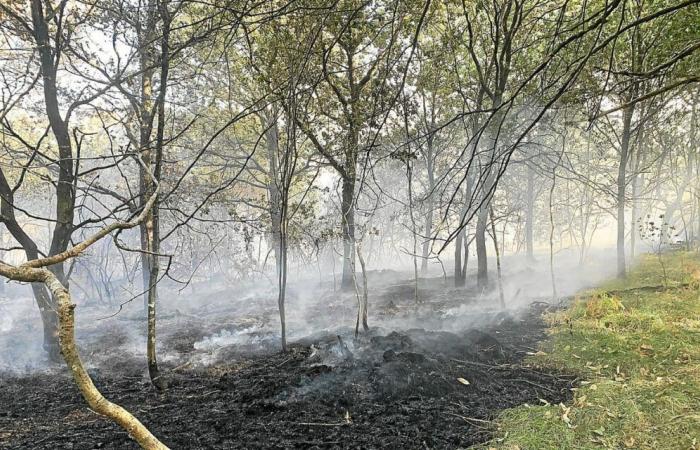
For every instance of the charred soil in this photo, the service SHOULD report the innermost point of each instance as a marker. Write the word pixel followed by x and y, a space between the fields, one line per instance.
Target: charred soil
pixel 410 389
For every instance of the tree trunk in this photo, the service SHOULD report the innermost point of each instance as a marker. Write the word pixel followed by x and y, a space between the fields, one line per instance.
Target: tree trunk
pixel 273 189
pixel 621 185
pixel 529 214
pixel 466 254
pixel 282 288
pixel 363 300
pixel 429 203
pixel 66 320
pixel 94 398
pixel 482 276
pixel 153 216
pixel 65 192
pixel 459 279
pixel 348 225
pixel 462 239
pixel 501 296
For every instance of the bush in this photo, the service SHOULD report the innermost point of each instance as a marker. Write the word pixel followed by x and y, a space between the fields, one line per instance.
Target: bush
pixel 601 305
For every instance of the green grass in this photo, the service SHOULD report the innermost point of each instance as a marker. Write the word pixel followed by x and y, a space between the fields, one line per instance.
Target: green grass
pixel 638 354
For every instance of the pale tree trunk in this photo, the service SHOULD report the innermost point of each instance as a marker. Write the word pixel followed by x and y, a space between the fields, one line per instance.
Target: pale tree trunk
pixel 273 189
pixel 466 254
pixel 154 163
pixel 530 214
pixel 91 394
pixel 349 180
pixel 145 34
pixel 414 230
pixel 348 225
pixel 35 272
pixel 637 158
pixel 621 185
pixel 282 287
pixel 428 228
pixel 501 296
pixel 551 232
pixel 362 299
pixel 277 207
pixel 459 279
pixel 66 326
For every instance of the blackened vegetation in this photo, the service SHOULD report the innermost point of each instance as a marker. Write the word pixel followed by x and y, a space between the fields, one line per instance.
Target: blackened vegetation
pixel 399 389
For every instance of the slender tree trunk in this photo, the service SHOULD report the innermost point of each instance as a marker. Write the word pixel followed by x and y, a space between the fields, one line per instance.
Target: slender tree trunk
pixel 529 214
pixel 348 225
pixel 153 216
pixel 426 243
pixel 461 242
pixel 501 296
pixel 428 228
pixel 466 254
pixel 363 304
pixel 551 232
pixel 621 185
pixel 414 230
pixel 146 116
pixel 282 288
pixel 482 276
pixel 459 279
pixel 273 188
pixel 94 397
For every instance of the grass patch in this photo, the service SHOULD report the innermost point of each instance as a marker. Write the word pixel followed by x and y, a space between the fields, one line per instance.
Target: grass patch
pixel 635 343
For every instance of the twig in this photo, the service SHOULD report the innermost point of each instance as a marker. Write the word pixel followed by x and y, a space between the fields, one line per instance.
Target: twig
pixel 321 424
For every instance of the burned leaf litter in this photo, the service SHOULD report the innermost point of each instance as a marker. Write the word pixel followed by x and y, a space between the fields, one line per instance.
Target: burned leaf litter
pixel 413 389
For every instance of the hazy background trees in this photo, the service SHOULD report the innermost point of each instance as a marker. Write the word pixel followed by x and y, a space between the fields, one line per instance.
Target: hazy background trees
pixel 300 137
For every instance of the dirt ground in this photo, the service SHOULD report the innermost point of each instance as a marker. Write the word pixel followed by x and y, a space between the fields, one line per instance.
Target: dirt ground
pixel 383 389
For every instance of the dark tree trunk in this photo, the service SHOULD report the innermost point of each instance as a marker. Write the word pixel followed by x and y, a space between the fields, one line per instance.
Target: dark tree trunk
pixel 65 192
pixel 482 275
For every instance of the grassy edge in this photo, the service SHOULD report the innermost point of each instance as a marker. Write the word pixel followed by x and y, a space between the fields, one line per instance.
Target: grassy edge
pixel 635 344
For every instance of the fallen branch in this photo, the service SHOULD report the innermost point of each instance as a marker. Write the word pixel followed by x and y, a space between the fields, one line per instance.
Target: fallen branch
pixel 35 271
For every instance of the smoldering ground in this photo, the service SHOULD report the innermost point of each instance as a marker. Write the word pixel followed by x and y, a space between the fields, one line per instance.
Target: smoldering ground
pixel 430 374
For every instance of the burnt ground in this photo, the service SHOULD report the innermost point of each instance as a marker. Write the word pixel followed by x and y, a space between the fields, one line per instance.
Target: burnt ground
pixel 384 389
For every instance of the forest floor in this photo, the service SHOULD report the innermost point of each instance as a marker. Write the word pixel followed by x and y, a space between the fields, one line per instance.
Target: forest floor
pixel 635 345
pixel 434 381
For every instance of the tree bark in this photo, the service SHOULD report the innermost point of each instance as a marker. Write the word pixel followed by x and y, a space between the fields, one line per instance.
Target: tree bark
pixel 428 228
pixel 501 297
pixel 152 220
pixel 482 276
pixel 94 398
pixel 348 224
pixel 530 214
pixel 459 279
pixel 621 188
pixel 65 192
